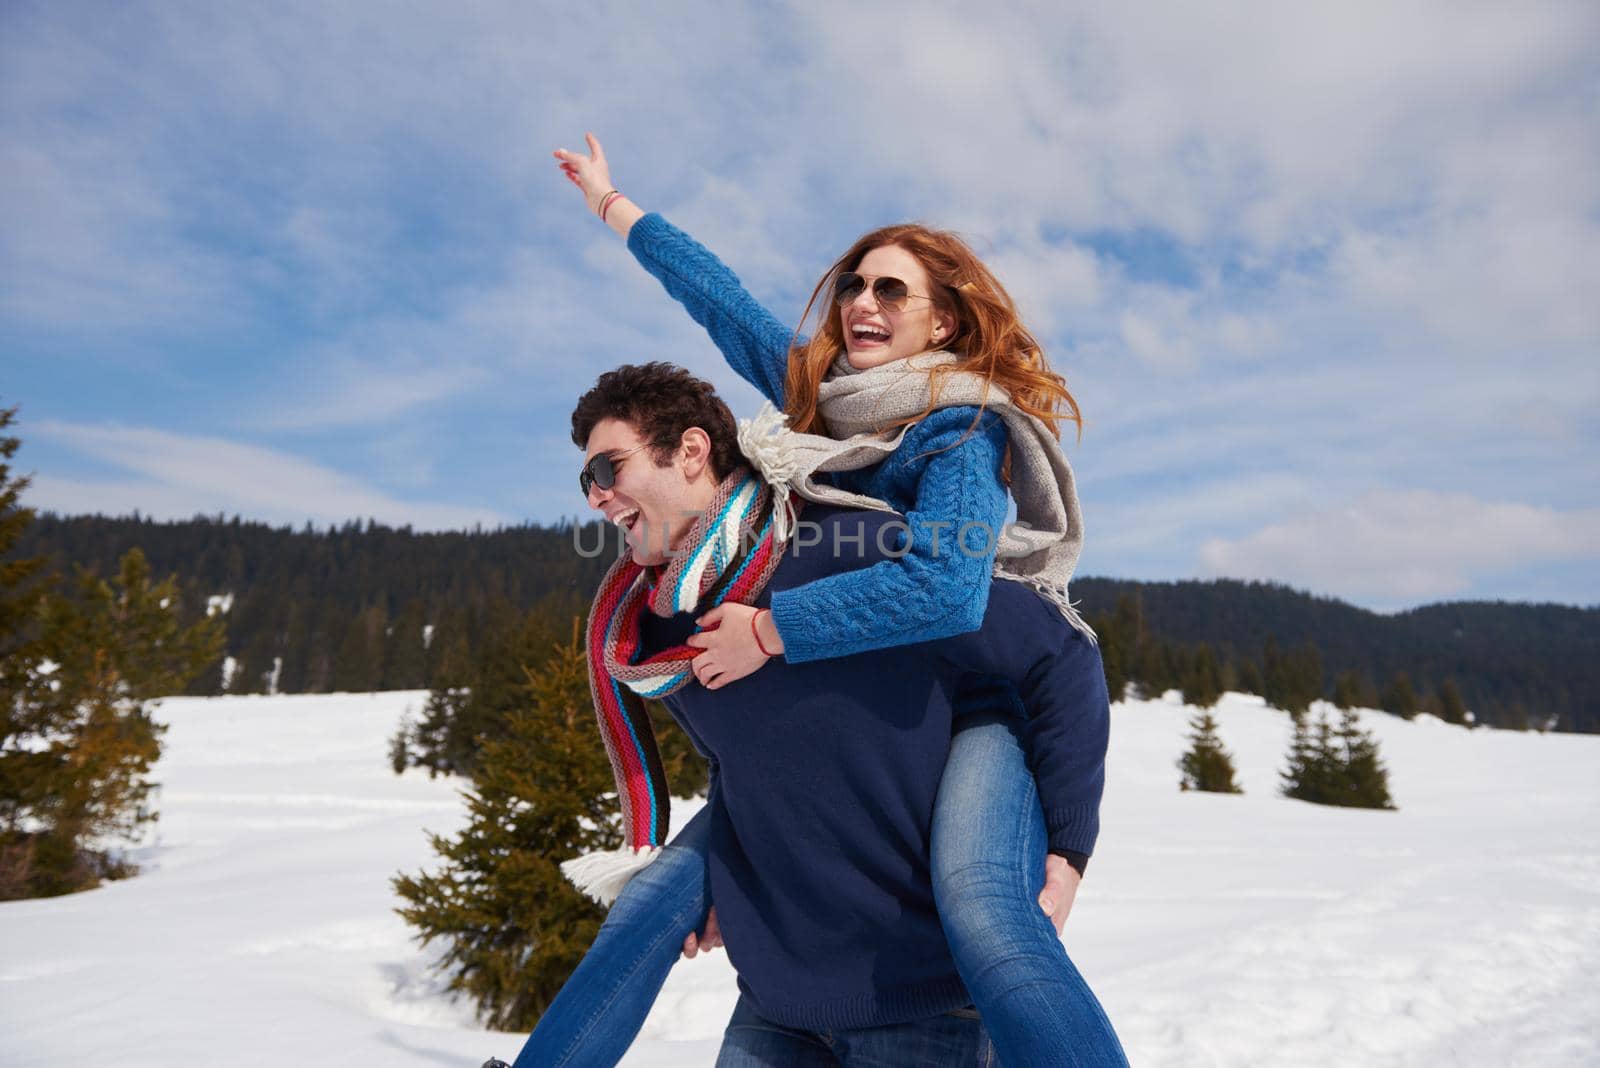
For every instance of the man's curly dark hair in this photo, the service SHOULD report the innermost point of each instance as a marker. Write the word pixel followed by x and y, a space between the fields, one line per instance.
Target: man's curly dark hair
pixel 661 401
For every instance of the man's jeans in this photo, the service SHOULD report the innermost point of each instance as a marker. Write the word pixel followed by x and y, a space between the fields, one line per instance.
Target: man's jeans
pixel 594 1019
pixel 955 1039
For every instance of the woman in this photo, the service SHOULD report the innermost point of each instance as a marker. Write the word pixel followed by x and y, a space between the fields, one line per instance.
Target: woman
pixel 920 339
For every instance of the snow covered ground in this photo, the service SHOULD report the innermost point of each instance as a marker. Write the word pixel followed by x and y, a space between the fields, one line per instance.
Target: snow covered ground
pixel 1249 930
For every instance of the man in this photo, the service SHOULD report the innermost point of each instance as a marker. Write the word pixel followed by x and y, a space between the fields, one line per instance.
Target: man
pixel 815 834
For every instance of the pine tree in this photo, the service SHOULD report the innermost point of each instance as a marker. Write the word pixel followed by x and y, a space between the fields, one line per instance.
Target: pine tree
pixel 1451 708
pixel 1335 767
pixel 1312 772
pixel 513 927
pixel 1517 718
pixel 1363 780
pixel 405 656
pixel 1348 691
pixel 80 742
pixel 1398 698
pixel 400 754
pixel 1247 677
pixel 1120 635
pixel 1202 682
pixel 1277 685
pixel 1292 680
pixel 355 666
pixel 1207 765
pixel 1157 668
pixel 24 585
pixel 252 673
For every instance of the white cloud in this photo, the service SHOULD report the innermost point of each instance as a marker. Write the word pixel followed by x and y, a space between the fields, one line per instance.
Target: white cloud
pixel 1053 282
pixel 177 476
pixel 1395 547
pixel 1150 345
pixel 1381 217
pixel 373 390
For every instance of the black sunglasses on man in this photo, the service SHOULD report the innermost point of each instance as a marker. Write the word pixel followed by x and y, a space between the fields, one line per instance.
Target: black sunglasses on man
pixel 601 470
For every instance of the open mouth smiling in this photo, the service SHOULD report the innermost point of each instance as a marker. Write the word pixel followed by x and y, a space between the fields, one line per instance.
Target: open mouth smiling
pixel 869 334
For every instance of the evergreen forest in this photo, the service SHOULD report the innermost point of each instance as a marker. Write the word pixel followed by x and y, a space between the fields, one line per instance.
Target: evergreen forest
pixel 365 606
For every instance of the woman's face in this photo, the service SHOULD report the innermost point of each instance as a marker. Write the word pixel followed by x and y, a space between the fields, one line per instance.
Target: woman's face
pixel 874 335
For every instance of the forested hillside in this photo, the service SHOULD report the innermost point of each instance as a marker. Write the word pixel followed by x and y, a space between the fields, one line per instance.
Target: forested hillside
pixel 1511 661
pixel 364 606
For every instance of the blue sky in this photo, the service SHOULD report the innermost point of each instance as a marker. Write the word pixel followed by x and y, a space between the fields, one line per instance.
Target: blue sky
pixel 1323 280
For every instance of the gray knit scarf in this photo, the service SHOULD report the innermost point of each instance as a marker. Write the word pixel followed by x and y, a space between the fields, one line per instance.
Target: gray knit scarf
pixel 1040 549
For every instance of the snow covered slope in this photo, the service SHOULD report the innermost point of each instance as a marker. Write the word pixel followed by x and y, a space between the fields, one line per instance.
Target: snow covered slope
pixel 1249 930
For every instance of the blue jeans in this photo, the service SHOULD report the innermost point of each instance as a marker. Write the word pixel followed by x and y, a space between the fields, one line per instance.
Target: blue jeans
pixel 955 1039
pixel 594 1019
pixel 988 867
pixel 989 844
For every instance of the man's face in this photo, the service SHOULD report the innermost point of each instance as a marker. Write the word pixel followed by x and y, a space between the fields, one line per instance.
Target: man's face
pixel 653 505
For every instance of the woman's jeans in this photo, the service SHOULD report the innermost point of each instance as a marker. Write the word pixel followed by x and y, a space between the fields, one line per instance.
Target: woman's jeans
pixel 954 1038
pixel 989 844
pixel 988 868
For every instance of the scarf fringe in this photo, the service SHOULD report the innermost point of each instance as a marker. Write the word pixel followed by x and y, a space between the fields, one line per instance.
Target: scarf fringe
pixel 766 443
pixel 603 874
pixel 1057 595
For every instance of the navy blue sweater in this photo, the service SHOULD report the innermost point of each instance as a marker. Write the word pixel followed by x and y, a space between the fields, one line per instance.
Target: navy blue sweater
pixel 824 785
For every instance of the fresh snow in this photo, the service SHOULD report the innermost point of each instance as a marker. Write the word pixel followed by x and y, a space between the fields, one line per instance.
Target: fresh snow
pixel 1218 930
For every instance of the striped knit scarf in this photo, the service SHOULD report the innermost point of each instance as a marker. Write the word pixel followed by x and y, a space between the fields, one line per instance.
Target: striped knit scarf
pixel 728 555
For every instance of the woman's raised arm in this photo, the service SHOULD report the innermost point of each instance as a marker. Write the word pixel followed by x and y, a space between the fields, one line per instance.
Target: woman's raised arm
pixel 752 340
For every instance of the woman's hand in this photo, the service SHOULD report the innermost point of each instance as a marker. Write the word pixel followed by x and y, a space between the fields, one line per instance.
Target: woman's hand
pixel 1060 890
pixel 589 173
pixel 713 938
pixel 730 646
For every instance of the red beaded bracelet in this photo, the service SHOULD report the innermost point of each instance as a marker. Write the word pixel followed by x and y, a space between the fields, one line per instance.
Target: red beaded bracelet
pixel 757 634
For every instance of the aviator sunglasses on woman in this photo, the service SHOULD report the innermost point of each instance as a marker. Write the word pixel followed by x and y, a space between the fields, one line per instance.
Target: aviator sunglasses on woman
pixel 890 293
pixel 601 470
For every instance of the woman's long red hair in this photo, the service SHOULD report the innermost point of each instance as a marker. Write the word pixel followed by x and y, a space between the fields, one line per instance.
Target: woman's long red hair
pixel 989 336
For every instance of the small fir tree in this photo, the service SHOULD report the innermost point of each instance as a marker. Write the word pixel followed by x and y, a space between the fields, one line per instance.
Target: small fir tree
pixel 1158 667
pixel 1207 765
pixel 355 666
pixel 1292 680
pixel 405 653
pixel 512 926
pixel 1202 682
pixel 1120 634
pixel 1363 780
pixel 1313 771
pixel 1329 766
pixel 1306 667
pixel 80 742
pixel 1247 677
pixel 400 756
pixel 1516 718
pixel 24 584
pixel 1451 708
pixel 1398 698
pixel 1348 691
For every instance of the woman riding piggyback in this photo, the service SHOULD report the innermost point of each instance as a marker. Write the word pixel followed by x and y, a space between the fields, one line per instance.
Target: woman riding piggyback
pixel 919 390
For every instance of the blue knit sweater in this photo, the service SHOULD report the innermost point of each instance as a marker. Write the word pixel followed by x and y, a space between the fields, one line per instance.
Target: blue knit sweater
pixel 942 476
pixel 933 591
pixel 826 776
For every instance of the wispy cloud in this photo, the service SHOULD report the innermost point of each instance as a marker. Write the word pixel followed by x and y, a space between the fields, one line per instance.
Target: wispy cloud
pixel 1393 548
pixel 1283 253
pixel 177 476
